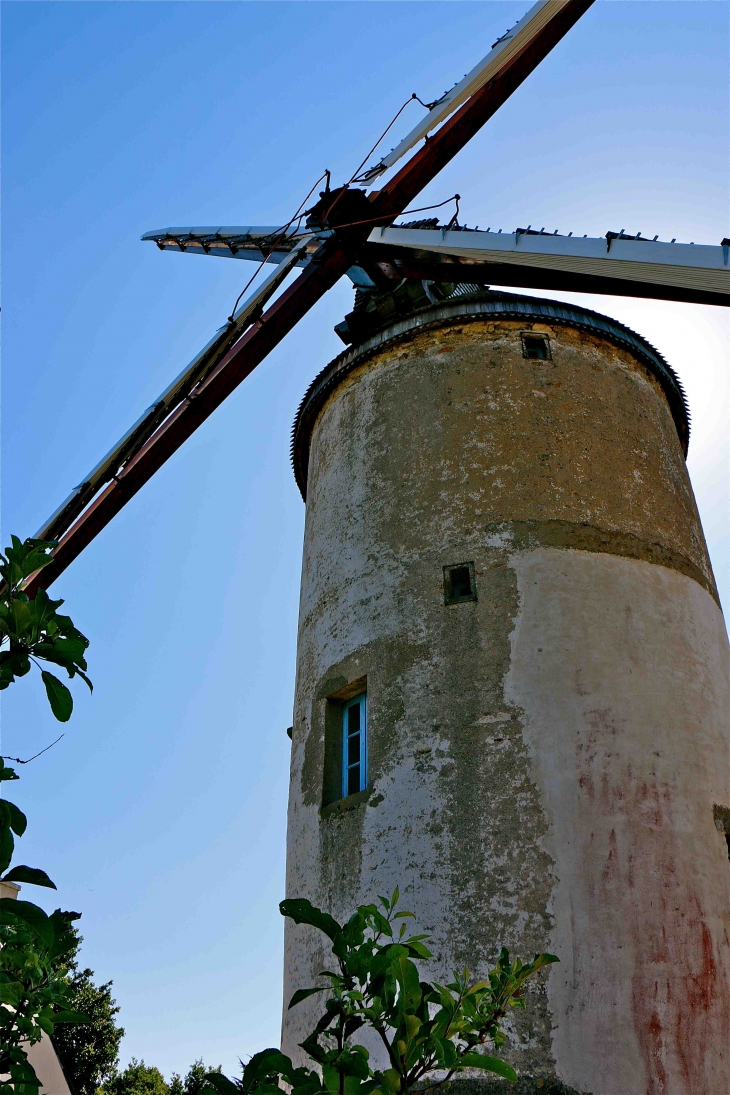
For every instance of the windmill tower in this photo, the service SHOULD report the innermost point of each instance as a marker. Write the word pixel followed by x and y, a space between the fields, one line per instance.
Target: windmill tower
pixel 511 692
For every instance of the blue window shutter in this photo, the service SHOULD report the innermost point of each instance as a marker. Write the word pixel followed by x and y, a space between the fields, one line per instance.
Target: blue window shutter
pixel 354 745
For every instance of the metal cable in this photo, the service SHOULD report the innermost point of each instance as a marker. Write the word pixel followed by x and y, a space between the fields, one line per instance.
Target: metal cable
pixel 406 212
pixel 354 176
pixel 277 239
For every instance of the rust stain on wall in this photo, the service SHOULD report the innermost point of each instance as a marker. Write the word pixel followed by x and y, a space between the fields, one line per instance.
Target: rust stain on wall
pixel 680 999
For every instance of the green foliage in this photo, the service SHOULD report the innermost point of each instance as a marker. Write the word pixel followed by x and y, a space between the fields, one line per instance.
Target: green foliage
pixel 33 631
pixel 425 1028
pixel 35 948
pixel 137 1079
pixel 34 951
pixel 88 1051
pixel 13 823
pixel 195 1082
pixel 141 1079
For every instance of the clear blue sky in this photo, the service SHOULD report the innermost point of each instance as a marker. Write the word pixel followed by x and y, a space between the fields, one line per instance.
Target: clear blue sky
pixel 162 812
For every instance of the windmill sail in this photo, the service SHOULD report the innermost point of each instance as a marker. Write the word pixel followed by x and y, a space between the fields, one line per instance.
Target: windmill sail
pixel 252 242
pixel 181 388
pixel 502 54
pixel 614 264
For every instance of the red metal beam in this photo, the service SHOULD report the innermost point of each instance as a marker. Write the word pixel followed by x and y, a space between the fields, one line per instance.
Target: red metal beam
pixel 468 120
pixel 329 264
pixel 241 360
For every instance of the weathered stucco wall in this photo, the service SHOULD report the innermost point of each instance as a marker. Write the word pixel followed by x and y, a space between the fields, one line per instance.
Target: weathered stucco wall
pixel 620 670
pixel 595 643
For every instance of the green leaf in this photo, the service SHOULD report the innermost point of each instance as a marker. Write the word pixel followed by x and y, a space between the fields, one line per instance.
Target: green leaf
pixel 48 653
pixel 12 910
pixel 542 960
pixel 407 975
pixel 489 1064
pixel 13 663
pixel 11 992
pixel 220 1084
pixel 7 773
pixel 59 697
pixel 16 818
pixel 352 1085
pixel 33 875
pixel 22 1071
pixel 35 561
pixel 72 648
pixel 71 1017
pixel 302 994
pixel 302 911
pixel 64 937
pixel 413 1025
pixel 21 614
pixel 417 948
pixel 84 678
pixel 264 1064
pixel 392 1080
pixel 448 1051
pixel 7 844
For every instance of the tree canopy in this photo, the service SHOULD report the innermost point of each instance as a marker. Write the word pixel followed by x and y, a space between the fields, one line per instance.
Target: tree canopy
pixel 141 1079
pixel 137 1079
pixel 89 1051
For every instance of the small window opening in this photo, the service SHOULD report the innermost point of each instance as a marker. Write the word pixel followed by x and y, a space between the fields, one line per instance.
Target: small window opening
pixel 459 583
pixel 722 822
pixel 354 745
pixel 536 346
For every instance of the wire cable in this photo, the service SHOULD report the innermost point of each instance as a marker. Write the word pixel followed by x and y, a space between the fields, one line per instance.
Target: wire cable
pixel 19 761
pixel 354 176
pixel 406 212
pixel 272 241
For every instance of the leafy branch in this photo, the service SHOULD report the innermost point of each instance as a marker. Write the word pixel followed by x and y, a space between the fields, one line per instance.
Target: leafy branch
pixel 35 948
pixel 34 631
pixel 34 994
pixel 430 1032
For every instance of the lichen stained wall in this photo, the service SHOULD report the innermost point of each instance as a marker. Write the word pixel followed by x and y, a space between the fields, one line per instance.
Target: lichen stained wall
pixel 446 447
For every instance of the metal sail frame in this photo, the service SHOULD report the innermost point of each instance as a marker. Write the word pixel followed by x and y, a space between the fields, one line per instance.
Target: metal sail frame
pixel 341 225
pixel 615 263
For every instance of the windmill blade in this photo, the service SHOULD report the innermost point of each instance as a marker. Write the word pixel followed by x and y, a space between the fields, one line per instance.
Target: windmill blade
pixel 616 264
pixel 181 388
pixel 458 129
pixel 209 393
pixel 246 243
pixel 346 218
pixel 253 242
pixel 504 52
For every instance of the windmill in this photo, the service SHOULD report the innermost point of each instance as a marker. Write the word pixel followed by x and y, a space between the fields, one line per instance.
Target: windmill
pixel 350 230
pixel 515 697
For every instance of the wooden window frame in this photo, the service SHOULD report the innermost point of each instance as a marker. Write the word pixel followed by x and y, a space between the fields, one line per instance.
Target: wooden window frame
pixel 332 760
pixel 361 701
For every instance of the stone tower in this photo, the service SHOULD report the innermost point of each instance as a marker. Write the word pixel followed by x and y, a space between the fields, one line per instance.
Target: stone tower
pixel 504 556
